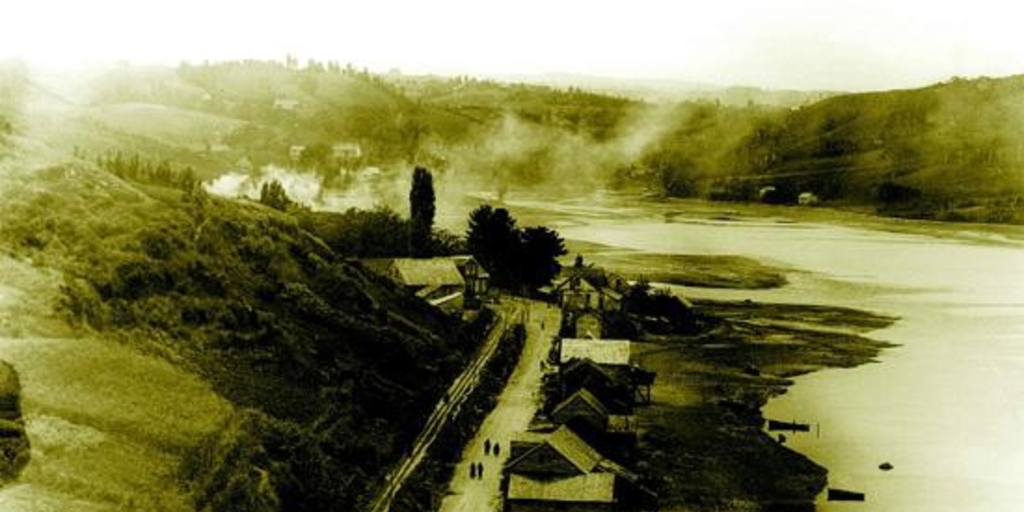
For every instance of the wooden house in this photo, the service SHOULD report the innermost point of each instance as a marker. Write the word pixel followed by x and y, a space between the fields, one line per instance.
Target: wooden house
pixel 584 413
pixel 475 275
pixel 445 282
pixel 618 387
pixel 563 472
pixel 577 293
pixel 610 385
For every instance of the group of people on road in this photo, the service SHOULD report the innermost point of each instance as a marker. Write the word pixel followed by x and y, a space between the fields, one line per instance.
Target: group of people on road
pixel 476 469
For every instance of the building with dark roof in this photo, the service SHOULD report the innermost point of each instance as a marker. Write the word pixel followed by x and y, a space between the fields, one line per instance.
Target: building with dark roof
pixel 447 282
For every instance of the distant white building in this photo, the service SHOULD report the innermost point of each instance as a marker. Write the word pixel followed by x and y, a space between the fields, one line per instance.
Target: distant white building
pixel 346 150
pixel 286 103
pixel 807 199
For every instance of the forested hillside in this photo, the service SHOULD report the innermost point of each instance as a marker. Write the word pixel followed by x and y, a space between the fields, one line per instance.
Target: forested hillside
pixel 331 369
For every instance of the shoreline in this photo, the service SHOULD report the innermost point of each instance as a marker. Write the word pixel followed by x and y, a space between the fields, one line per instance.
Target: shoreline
pixel 705 432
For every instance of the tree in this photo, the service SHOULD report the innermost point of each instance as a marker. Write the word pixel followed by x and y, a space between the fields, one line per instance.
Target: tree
pixel 540 250
pixel 513 256
pixel 421 212
pixel 493 239
pixel 272 194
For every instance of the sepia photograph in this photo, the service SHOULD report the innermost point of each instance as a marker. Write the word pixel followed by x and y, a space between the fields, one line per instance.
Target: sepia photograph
pixel 497 256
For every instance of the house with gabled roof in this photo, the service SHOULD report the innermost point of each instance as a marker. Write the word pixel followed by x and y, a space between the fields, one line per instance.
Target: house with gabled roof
pixel 618 387
pixel 584 409
pixel 609 384
pixel 445 282
pixel 577 293
pixel 564 472
pixel 586 415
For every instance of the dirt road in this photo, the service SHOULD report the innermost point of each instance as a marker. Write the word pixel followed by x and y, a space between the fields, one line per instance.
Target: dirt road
pixel 516 406
pixel 507 315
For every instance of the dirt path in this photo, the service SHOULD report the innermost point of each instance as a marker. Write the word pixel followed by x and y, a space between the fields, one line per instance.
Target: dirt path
pixel 516 406
pixel 456 396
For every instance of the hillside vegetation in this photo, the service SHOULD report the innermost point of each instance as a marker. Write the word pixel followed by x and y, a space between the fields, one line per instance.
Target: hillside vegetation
pixel 331 368
pixel 946 151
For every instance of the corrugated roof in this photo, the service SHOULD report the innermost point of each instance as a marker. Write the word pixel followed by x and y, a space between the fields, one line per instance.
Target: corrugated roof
pixel 428 272
pixel 600 351
pixel 588 488
pixel 574 449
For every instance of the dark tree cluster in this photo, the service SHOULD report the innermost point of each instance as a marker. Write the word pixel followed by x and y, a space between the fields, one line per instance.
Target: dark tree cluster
pixel 142 170
pixel 272 194
pixel 517 258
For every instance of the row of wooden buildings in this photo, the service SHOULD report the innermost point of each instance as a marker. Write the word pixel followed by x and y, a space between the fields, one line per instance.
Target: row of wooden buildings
pixel 575 455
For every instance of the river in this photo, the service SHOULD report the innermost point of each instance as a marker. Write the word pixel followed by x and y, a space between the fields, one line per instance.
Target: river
pixel 945 408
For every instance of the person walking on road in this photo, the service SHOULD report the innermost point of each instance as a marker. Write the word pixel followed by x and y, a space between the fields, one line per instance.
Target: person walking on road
pixel 497 449
pixel 472 471
pixel 487 446
pixel 480 470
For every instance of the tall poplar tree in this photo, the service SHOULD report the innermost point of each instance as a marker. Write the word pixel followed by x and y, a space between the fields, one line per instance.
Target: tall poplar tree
pixel 421 212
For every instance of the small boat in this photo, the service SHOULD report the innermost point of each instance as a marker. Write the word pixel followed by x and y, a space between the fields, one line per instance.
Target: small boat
pixel 885 466
pixel 790 426
pixel 844 495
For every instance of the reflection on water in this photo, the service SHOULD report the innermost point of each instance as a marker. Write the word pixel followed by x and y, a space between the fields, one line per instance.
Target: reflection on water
pixel 946 408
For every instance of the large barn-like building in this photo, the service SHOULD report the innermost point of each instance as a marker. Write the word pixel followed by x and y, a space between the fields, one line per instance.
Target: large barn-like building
pixel 450 282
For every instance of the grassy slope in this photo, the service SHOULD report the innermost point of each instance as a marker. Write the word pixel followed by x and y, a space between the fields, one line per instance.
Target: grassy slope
pixel 335 364
pixel 108 425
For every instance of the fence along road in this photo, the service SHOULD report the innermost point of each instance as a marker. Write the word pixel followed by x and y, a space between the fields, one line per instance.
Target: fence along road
pixel 446 409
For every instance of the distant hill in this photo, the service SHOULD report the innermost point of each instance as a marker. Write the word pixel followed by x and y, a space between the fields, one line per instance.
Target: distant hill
pixel 666 90
pixel 951 151
pixel 948 151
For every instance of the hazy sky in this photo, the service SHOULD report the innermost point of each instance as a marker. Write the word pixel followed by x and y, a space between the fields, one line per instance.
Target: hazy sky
pixel 804 44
